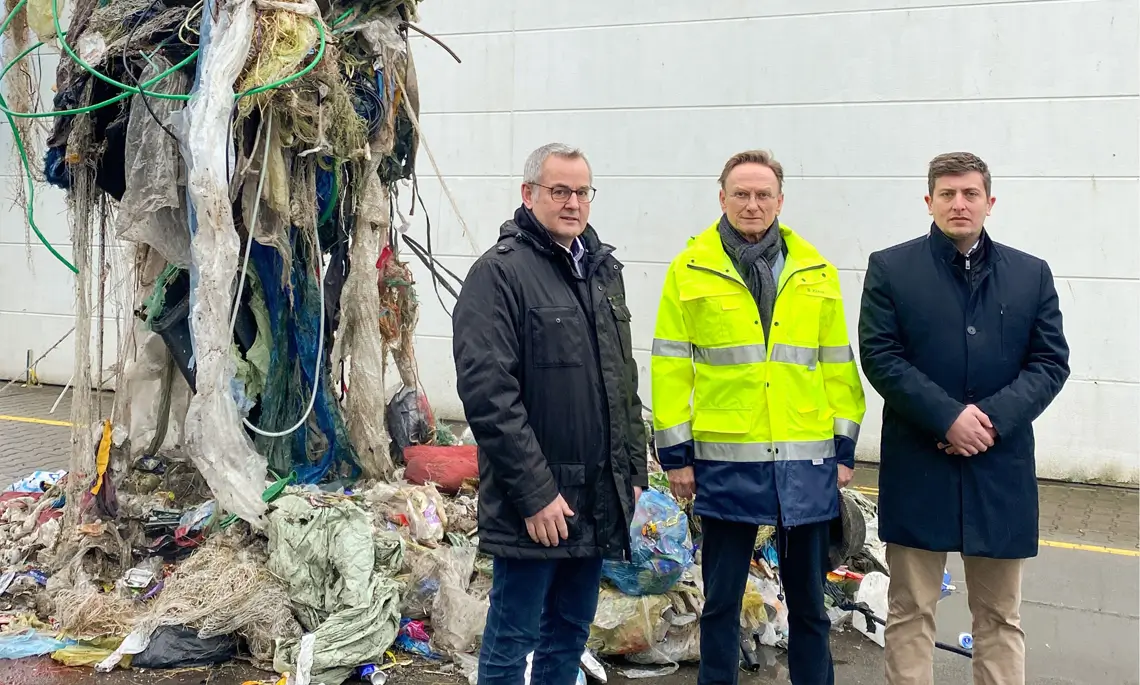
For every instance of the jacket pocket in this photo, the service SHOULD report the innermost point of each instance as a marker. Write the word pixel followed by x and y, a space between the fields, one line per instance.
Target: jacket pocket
pixel 722 421
pixel 813 293
pixel 1016 329
pixel 623 317
pixel 557 337
pixel 571 480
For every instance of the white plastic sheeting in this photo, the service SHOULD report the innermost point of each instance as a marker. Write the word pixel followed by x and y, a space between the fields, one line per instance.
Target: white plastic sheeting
pixel 144 388
pixel 360 333
pixel 216 442
pixel 151 211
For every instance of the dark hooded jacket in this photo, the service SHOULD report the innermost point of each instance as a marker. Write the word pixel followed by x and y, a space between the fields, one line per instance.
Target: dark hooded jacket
pixel 545 371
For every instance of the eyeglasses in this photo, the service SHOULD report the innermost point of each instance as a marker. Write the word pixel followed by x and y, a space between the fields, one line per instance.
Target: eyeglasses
pixel 562 193
pixel 743 196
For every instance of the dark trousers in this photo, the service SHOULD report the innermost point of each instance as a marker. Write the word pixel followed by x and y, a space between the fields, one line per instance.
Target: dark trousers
pixel 545 607
pixel 726 556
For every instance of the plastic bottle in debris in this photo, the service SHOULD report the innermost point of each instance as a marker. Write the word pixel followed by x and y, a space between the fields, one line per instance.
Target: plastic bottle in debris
pixel 373 675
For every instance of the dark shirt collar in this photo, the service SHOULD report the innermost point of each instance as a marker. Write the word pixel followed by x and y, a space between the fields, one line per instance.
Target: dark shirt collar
pixel 945 248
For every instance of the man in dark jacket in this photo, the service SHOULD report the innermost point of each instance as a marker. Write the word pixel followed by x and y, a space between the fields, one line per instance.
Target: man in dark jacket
pixel 547 377
pixel 962 337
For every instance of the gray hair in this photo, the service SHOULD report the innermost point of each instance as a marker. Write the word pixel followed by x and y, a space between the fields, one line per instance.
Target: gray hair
pixel 532 170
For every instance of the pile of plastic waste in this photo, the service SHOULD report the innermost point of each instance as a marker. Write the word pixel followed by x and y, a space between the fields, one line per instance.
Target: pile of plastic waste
pixel 348 578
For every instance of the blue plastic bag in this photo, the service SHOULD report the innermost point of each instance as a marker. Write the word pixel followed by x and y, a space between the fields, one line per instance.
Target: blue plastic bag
pixel 29 643
pixel 661 547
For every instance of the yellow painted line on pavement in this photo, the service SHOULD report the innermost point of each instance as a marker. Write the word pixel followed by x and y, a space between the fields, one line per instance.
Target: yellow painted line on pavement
pixel 1090 548
pixel 30 419
pixel 1099 549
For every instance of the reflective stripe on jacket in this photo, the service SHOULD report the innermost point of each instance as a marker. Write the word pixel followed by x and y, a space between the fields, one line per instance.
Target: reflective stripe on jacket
pixel 757 419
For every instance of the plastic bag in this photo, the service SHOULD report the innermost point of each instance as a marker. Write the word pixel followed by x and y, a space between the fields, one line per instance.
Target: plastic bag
pixel 873 591
pixel 38 481
pixel 580 680
pixel 28 643
pixel 409 419
pixel 438 587
pixel 469 666
pixel 216 441
pixel 40 18
pixel 424 510
pixel 144 380
pixel 661 547
pixel 413 639
pixel 90 652
pixel 774 632
pixel 457 618
pixel 180 647
pixel 627 625
pixel 151 211
pixel 428 569
pixel 683 638
pixel 682 643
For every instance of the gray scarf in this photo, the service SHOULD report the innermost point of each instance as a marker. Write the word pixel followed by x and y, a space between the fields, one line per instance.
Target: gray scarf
pixel 754 261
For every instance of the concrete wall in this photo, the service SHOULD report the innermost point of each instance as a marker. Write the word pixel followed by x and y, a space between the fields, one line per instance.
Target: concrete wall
pixel 854 97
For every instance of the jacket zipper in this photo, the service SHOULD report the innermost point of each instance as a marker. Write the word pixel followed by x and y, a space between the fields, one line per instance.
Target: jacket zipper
pixel 717 273
pixel 1001 327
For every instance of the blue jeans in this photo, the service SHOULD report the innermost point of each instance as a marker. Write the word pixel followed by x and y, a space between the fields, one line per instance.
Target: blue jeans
pixel 540 606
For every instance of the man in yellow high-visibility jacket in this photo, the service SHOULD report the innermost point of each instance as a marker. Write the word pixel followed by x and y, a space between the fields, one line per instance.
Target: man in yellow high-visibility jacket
pixel 756 408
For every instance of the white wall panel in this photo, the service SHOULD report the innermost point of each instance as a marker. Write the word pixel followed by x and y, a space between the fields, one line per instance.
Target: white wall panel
pixel 1016 138
pixel 467 144
pixel 846 218
pixel 999 51
pixel 483 82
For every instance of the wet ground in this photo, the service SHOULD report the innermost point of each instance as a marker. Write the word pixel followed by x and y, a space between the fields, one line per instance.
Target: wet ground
pixel 1081 608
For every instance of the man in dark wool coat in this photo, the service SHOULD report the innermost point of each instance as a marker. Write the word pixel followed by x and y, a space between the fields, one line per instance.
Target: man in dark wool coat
pixel 962 338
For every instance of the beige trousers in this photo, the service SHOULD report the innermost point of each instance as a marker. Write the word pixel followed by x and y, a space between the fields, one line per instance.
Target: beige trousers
pixel 993 587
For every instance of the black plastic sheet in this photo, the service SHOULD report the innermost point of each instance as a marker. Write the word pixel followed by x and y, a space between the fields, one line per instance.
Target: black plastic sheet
pixel 180 647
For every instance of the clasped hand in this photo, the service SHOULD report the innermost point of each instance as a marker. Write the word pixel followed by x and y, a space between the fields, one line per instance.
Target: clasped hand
pixel 971 433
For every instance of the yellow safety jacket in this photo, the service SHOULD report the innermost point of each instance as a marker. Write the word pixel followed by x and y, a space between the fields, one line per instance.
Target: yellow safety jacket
pixel 758 419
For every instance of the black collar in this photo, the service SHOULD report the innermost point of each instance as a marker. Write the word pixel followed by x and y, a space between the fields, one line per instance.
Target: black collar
pixel 527 227
pixel 945 249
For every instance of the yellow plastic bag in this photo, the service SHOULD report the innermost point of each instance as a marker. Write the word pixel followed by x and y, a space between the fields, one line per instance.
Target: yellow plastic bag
pixel 40 18
pixel 90 652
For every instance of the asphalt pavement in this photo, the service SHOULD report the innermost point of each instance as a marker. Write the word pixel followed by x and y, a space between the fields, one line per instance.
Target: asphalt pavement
pixel 1080 611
